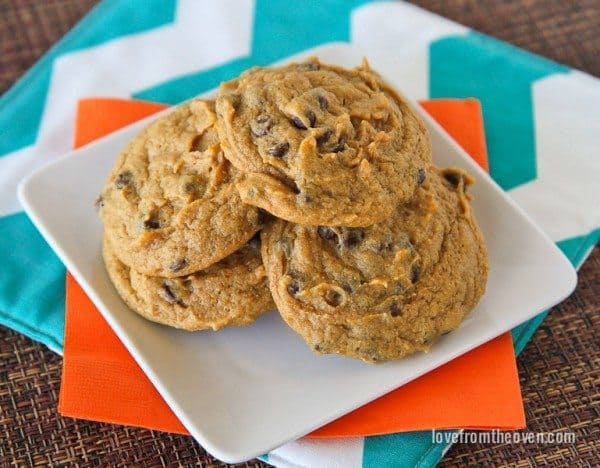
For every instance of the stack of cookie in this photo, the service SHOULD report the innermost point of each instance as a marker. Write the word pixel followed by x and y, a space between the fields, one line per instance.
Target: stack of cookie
pixel 368 250
pixel 179 244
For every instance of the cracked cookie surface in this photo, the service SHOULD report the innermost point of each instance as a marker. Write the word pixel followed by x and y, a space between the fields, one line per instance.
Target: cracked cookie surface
pixel 232 292
pixel 321 145
pixel 170 206
pixel 385 291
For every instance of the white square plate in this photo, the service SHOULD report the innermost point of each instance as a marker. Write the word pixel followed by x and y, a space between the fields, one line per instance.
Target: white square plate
pixel 242 392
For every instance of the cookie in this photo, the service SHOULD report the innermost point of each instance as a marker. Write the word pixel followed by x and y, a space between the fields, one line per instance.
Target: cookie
pixel 385 291
pixel 232 292
pixel 169 205
pixel 321 145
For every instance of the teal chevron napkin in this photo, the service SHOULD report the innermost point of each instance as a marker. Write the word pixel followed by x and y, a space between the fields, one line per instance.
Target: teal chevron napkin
pixel 541 124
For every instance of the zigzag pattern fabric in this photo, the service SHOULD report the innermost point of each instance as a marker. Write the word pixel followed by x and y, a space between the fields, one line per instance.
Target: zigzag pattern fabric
pixel 541 118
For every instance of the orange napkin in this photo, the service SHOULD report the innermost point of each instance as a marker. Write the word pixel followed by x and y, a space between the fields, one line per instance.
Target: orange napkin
pixel 102 382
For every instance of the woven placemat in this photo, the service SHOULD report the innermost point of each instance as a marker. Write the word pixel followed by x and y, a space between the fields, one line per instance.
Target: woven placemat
pixel 559 369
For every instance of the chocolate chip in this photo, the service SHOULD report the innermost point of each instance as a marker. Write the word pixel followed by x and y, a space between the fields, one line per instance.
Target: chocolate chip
pixel 323 104
pixel 317 347
pixel 279 150
pixel 352 237
pixel 324 137
pixel 421 176
pixel 123 179
pixel 333 298
pixel 308 66
pixel 178 265
pixel 293 288
pixel 339 146
pixel 346 287
pixel 99 203
pixel 415 271
pixel 261 125
pixel 167 293
pixel 326 233
pixel 453 178
pixel 151 224
pixel 384 246
pixel 394 309
pixel 298 123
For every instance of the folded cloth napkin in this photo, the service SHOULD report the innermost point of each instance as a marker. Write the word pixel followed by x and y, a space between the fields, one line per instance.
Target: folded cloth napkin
pixel 101 381
pixel 541 121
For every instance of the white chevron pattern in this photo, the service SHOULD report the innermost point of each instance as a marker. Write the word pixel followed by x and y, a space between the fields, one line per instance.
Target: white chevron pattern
pixel 567 124
pixel 396 37
pixel 325 453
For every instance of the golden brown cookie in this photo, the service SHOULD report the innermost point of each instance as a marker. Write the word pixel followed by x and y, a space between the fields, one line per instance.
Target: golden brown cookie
pixel 232 292
pixel 169 205
pixel 321 145
pixel 384 291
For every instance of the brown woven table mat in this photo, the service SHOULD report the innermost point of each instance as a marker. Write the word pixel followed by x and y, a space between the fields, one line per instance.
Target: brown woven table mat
pixel 559 369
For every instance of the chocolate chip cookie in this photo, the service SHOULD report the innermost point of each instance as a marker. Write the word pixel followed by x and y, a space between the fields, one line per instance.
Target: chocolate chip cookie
pixel 384 291
pixel 232 292
pixel 169 206
pixel 321 145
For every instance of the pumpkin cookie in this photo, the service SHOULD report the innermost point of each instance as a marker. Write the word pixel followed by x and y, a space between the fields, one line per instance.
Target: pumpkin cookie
pixel 169 206
pixel 321 145
pixel 388 290
pixel 232 292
